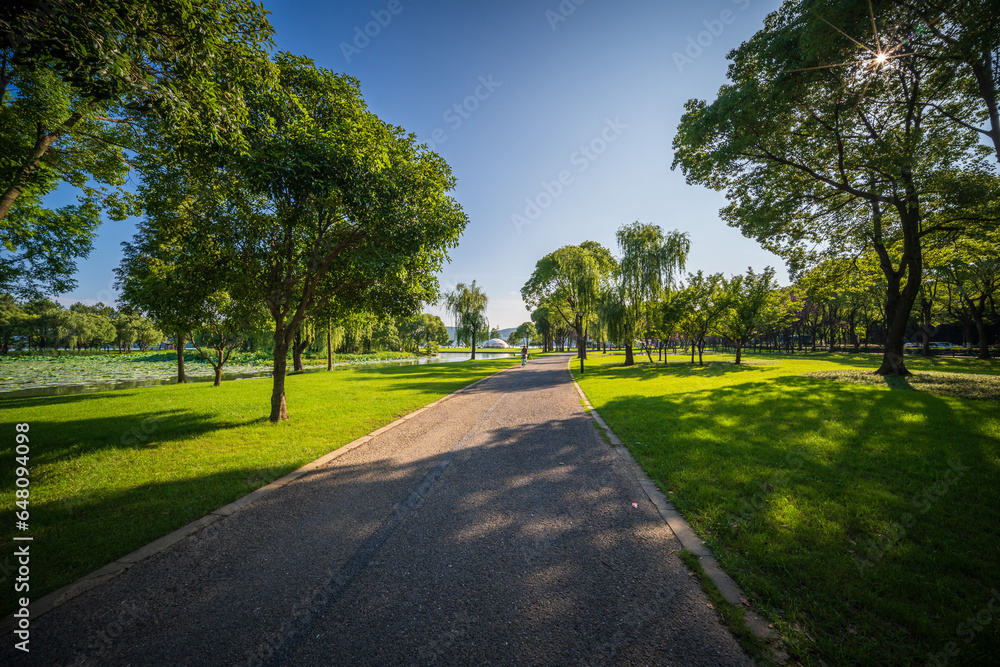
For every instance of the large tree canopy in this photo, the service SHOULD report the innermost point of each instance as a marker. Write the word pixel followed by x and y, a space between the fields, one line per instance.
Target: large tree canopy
pixel 828 149
pixel 86 83
pixel 961 38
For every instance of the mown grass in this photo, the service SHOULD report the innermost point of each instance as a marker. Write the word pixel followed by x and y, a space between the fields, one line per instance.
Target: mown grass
pixel 864 521
pixel 975 386
pixel 113 471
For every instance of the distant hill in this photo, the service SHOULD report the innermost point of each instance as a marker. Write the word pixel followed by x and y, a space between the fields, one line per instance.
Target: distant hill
pixel 503 332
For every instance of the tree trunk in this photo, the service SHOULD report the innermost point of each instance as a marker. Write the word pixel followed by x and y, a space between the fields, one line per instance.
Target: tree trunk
pixel 218 375
pixel 987 91
pixel 739 355
pixel 297 348
pixel 899 303
pixel 473 343
pixel 329 344
pixel 279 411
pixel 181 342
pixel 629 360
pixel 984 338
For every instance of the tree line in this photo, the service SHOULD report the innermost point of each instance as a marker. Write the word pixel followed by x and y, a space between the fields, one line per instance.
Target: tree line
pixel 643 298
pixel 41 325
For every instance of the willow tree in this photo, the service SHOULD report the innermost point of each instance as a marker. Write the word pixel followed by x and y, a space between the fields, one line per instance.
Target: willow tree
pixel 467 304
pixel 570 280
pixel 649 261
pixel 827 144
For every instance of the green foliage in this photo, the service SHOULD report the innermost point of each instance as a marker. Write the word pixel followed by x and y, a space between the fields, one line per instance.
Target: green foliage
pixel 132 328
pixel 467 304
pixel 422 329
pixel 190 62
pixel 752 305
pixel 706 302
pixel 86 88
pixel 525 331
pixel 326 211
pixel 570 279
pixel 825 152
pixel 646 270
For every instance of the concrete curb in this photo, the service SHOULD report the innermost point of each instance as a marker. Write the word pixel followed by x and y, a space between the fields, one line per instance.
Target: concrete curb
pixel 682 530
pixel 58 597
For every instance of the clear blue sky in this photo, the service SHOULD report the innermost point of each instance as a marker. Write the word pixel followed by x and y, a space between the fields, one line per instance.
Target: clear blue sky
pixel 515 95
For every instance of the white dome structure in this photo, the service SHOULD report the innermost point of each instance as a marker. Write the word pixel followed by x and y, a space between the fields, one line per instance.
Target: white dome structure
pixel 495 343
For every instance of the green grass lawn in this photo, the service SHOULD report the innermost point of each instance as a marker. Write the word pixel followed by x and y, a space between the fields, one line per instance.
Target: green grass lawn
pixel 113 471
pixel 864 521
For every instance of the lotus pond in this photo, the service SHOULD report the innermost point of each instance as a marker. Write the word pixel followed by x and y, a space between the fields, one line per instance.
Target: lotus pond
pixel 69 370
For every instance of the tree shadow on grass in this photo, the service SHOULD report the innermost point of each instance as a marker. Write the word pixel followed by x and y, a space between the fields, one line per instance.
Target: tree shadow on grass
pixel 802 486
pixel 646 371
pixel 56 441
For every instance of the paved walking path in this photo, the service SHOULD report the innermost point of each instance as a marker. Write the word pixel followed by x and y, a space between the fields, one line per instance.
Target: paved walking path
pixel 494 528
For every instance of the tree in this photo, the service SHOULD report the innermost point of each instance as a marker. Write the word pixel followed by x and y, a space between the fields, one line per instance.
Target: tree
pixel 11 321
pixel 570 280
pixel 973 272
pixel 648 263
pixel 467 304
pixel 41 322
pixel 328 209
pixel 177 271
pixel 223 327
pixel 544 318
pixel 433 330
pixel 749 302
pixel 422 329
pixel 706 303
pixel 523 334
pixel 835 161
pixel 185 61
pixel 131 328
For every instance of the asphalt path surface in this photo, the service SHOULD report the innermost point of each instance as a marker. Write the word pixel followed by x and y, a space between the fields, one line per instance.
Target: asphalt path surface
pixel 494 528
